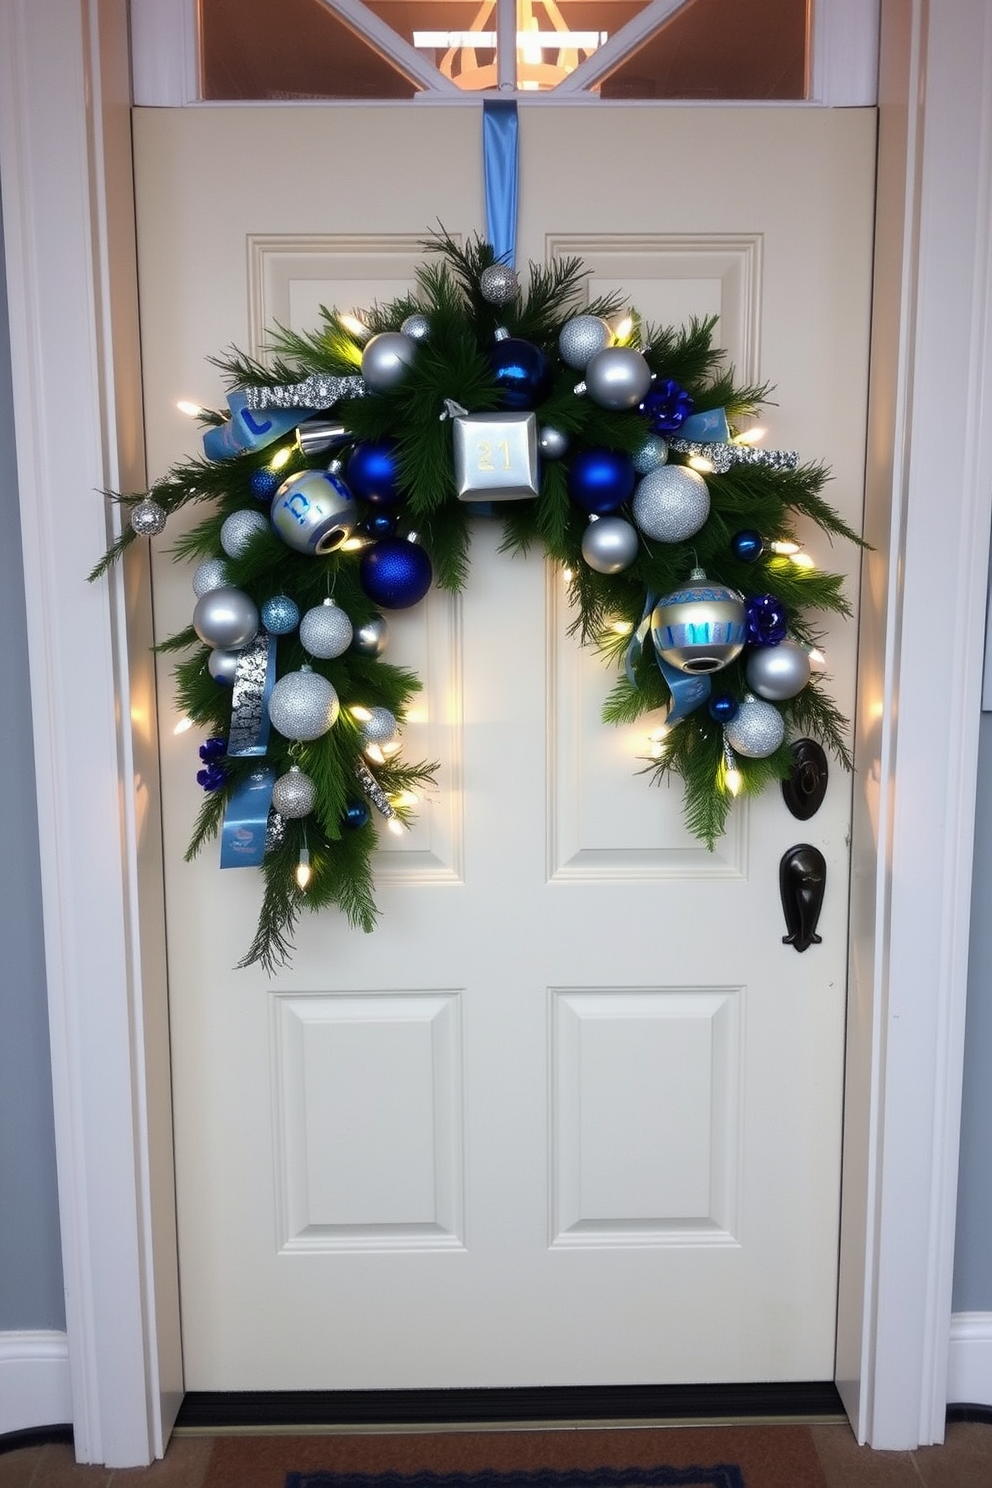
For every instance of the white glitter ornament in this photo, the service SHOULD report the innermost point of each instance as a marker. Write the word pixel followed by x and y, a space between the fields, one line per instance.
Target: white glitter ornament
pixel 294 794
pixel 671 503
pixel 239 529
pixel 147 518
pixel 303 705
pixel 498 284
pixel 210 574
pixel 580 339
pixel 326 631
pixel 417 327
pixel 756 730
pixel 380 727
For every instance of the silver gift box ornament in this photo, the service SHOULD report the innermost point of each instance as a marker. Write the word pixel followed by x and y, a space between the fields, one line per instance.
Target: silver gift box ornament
pixel 495 456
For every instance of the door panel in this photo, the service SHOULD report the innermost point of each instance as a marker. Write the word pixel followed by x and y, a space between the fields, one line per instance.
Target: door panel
pixel 571 1115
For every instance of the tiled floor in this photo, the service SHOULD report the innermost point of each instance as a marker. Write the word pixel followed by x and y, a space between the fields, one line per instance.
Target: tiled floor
pixel 815 1456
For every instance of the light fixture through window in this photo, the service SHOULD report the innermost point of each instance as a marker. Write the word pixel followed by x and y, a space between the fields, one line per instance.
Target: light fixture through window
pixel 544 57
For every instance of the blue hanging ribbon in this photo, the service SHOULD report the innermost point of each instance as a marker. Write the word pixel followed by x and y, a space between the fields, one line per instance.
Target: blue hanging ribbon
pixel 710 427
pixel 248 428
pixel 242 841
pixel 688 691
pixel 499 156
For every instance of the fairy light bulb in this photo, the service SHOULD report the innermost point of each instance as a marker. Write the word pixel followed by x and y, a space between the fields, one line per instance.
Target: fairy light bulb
pixel 395 826
pixel 191 410
pixel 802 560
pixel 356 327
pixel 303 870
pixel 405 799
pixel 183 726
pixel 621 628
pixel 732 778
pixel 786 547
pixel 567 575
pixel 817 659
pixel 360 713
pixel 623 330
pixel 280 458
pixel 750 436
pixel 700 463
pixel 657 740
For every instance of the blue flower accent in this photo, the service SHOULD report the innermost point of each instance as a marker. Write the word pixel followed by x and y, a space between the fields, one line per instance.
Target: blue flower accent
pixel 212 778
pixel 767 620
pixel 666 406
pixel 213 749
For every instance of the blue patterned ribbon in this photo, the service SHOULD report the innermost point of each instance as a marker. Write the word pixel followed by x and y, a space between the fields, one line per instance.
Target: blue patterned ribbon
pixel 242 841
pixel 688 692
pixel 249 428
pixel 710 427
pixel 499 156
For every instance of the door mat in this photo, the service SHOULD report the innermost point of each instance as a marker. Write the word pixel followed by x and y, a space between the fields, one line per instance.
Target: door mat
pixel 719 1475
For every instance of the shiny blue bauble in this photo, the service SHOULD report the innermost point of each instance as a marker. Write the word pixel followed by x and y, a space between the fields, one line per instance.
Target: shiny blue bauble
pixel 378 524
pixel 395 574
pixel 522 372
pixel 722 707
pixel 767 620
pixel 356 815
pixel 280 614
pixel 747 545
pixel 601 480
pixel 263 484
pixel 373 472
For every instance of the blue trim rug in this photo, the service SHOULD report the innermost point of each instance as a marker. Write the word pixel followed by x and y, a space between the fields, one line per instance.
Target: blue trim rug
pixel 720 1475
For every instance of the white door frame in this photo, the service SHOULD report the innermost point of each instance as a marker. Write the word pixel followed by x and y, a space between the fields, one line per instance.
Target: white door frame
pixel 64 92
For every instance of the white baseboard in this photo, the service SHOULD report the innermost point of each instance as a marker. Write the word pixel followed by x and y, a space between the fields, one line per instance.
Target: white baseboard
pixel 969 1360
pixel 34 1381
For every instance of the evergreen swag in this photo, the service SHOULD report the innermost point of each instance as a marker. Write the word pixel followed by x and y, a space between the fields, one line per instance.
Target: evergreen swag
pixel 452 362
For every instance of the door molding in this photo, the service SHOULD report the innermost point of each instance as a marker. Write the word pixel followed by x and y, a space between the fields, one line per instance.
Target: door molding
pixel 64 90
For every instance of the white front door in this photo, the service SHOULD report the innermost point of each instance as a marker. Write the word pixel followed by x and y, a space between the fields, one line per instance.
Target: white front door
pixel 572 1114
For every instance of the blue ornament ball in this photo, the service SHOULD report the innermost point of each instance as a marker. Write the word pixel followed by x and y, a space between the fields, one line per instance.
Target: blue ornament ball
pixel 395 573
pixel 280 614
pixel 522 373
pixel 722 707
pixel 601 480
pixel 378 524
pixel 264 483
pixel 356 815
pixel 666 406
pixel 373 472
pixel 747 545
pixel 767 620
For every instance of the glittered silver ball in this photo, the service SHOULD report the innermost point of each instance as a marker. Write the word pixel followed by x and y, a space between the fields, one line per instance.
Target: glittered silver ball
pixel 580 339
pixel 303 705
pixel 239 529
pixel 226 618
pixel 147 518
pixel 223 666
pixel 652 453
pixel 280 614
pixel 671 503
pixel 326 631
pixel 756 730
pixel 380 728
pixel 778 672
pixel 617 377
pixel 552 443
pixel 609 544
pixel 210 574
pixel 372 638
pixel 700 627
pixel 417 327
pixel 294 794
pixel 498 284
pixel 387 359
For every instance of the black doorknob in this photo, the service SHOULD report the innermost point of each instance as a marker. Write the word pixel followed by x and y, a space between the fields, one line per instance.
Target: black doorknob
pixel 806 784
pixel 802 878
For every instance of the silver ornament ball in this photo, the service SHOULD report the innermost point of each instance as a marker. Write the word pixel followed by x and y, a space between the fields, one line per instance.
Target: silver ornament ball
pixel 372 638
pixel 303 705
pixel 387 359
pixel 671 503
pixel 700 627
pixel 223 666
pixel 294 794
pixel 380 727
pixel 617 377
pixel 239 529
pixel 326 631
pixel 652 453
pixel 581 338
pixel 778 672
pixel 225 618
pixel 417 327
pixel 314 512
pixel 552 443
pixel 498 284
pixel 757 729
pixel 210 574
pixel 609 544
pixel 147 518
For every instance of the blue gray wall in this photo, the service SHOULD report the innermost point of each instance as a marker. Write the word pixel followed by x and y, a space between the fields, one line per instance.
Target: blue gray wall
pixel 30 1262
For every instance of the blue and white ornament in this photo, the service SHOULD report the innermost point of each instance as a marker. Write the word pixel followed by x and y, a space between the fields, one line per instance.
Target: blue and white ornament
pixel 700 627
pixel 314 512
pixel 326 631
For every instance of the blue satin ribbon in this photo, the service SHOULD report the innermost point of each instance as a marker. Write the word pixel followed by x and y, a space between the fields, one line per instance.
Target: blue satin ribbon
pixel 688 691
pixel 710 427
pixel 242 841
pixel 249 428
pixel 499 157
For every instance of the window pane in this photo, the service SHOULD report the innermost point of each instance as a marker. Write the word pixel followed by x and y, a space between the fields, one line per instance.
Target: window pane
pixel 458 36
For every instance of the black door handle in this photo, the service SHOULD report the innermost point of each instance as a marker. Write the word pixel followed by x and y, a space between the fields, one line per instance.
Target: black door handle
pixel 802 878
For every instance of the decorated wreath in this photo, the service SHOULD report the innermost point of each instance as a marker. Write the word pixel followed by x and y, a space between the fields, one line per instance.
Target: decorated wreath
pixel 342 481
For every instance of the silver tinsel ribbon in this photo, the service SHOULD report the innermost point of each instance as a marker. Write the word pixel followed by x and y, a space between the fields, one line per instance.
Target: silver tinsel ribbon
pixel 722 456
pixel 373 790
pixel 249 733
pixel 319 390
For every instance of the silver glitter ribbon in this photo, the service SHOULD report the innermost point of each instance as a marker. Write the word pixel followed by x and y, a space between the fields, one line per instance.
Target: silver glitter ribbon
pixel 373 790
pixel 249 733
pixel 722 456
pixel 319 390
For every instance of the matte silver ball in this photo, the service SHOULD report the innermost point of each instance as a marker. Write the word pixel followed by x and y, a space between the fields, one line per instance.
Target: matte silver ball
pixel 417 327
pixel 380 728
pixel 387 359
pixel 580 339
pixel 372 638
pixel 617 377
pixel 671 503
pixel 778 672
pixel 294 794
pixel 303 705
pixel 609 544
pixel 314 512
pixel 499 285
pixel 226 618
pixel 210 574
pixel 147 518
pixel 223 666
pixel 326 631
pixel 652 453
pixel 756 730
pixel 552 443
pixel 239 529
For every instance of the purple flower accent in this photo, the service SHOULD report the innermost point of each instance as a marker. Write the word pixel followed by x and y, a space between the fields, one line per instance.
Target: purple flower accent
pixel 767 620
pixel 212 778
pixel 213 749
pixel 666 406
